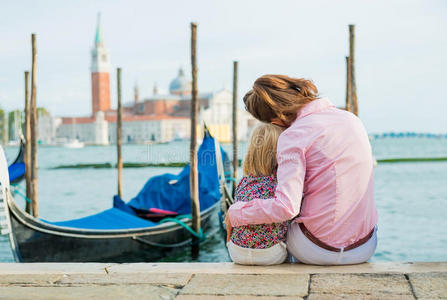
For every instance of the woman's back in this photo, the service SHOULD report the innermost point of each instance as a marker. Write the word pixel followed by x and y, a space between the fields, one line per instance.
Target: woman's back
pixel 338 205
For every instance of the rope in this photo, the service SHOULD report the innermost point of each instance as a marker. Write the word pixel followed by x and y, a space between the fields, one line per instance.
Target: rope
pixel 17 191
pixel 228 177
pixel 201 236
pixel 177 245
pixel 154 244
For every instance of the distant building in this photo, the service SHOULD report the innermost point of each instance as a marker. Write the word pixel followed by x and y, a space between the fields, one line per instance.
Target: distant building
pixel 3 127
pixel 136 129
pixel 15 123
pixel 215 108
pixel 46 127
pixel 160 118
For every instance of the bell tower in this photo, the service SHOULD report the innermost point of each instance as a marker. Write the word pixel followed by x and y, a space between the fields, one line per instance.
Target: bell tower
pixel 100 69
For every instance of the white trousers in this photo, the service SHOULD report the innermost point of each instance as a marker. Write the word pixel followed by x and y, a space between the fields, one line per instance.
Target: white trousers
pixel 274 255
pixel 307 252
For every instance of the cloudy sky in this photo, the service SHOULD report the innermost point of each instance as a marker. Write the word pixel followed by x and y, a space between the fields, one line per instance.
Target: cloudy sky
pixel 401 51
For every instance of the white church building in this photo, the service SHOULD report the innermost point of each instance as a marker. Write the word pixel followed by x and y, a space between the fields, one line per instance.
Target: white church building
pixel 158 118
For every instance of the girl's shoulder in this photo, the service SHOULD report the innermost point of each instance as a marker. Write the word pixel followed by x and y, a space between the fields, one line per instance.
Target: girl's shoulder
pixel 256 186
pixel 254 180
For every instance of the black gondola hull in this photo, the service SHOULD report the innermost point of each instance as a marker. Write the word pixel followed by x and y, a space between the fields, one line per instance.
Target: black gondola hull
pixel 38 242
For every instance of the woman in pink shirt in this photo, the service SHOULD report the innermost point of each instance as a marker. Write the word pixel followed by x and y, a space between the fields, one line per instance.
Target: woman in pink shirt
pixel 325 175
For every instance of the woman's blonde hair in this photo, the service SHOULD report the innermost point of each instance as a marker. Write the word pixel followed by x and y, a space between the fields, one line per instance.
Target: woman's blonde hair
pixel 261 155
pixel 279 96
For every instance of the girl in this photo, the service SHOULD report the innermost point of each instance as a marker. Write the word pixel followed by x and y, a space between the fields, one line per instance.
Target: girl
pixel 262 244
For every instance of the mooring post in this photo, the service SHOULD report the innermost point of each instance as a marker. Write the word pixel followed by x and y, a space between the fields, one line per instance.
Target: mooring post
pixel 355 108
pixel 235 159
pixel 118 133
pixel 27 157
pixel 33 134
pixel 194 178
pixel 348 104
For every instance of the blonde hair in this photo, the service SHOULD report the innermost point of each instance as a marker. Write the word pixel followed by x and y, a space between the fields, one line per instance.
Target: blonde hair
pixel 261 155
pixel 279 96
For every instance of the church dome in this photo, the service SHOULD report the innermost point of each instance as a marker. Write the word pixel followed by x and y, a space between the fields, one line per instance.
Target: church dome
pixel 180 85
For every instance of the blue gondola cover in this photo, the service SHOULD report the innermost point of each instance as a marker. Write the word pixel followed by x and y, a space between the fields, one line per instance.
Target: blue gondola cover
pixel 171 192
pixel 110 219
pixel 167 191
pixel 16 170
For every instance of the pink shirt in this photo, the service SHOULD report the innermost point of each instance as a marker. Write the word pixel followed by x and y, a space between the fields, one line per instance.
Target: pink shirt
pixel 325 174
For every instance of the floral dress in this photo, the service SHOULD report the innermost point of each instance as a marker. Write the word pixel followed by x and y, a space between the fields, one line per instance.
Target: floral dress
pixel 259 236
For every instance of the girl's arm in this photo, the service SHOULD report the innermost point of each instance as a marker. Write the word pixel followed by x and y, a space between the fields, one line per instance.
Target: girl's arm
pixel 287 201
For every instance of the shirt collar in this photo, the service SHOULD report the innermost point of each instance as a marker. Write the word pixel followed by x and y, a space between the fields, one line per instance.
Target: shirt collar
pixel 315 106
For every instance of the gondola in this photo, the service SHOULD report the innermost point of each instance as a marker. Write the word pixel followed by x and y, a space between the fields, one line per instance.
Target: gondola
pixel 16 170
pixel 146 228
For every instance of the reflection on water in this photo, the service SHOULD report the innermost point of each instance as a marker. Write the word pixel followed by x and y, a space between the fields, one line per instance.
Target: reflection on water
pixel 411 197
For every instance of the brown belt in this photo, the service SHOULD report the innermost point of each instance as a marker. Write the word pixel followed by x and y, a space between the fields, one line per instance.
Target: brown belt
pixel 321 244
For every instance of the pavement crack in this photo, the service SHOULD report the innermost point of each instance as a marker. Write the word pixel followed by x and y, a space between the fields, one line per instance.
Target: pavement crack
pixel 187 282
pixel 308 287
pixel 411 286
pixel 189 278
pixel 106 269
pixel 58 280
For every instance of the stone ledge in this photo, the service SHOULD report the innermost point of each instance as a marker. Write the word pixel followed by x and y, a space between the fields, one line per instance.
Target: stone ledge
pixel 110 292
pixel 377 285
pixel 53 268
pixel 221 281
pixel 429 285
pixel 231 268
pixel 218 268
pixel 251 285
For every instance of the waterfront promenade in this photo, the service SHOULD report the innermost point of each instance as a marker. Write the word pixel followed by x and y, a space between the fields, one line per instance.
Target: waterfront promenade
pixel 184 281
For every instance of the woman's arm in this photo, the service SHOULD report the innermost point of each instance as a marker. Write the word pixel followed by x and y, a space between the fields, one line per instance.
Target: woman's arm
pixel 287 201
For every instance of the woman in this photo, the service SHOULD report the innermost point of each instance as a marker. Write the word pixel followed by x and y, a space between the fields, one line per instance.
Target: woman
pixel 325 175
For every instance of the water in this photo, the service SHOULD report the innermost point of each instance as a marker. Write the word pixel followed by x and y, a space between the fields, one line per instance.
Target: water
pixel 411 197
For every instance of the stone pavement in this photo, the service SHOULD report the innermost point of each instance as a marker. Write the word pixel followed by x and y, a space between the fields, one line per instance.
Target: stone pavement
pixel 220 281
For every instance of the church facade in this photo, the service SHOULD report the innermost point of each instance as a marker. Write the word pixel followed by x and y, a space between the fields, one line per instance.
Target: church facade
pixel 158 118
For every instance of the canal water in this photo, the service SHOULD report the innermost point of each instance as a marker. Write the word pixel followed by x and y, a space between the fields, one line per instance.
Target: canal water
pixel 411 197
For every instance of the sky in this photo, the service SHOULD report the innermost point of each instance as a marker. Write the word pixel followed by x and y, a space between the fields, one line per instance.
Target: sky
pixel 401 51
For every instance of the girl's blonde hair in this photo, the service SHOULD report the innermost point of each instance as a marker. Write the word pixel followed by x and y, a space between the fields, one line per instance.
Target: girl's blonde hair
pixel 261 155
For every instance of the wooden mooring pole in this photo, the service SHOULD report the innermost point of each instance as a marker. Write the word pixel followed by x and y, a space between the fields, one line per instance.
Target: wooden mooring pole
pixel 235 159
pixel 194 178
pixel 33 126
pixel 27 157
pixel 348 104
pixel 118 133
pixel 355 108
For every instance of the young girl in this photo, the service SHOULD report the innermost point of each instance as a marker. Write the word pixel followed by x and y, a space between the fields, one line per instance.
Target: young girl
pixel 262 244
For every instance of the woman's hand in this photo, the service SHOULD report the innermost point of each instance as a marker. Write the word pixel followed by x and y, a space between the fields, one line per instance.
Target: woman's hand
pixel 228 227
